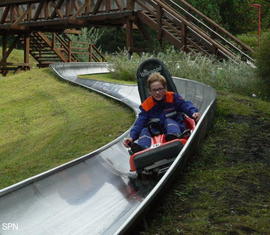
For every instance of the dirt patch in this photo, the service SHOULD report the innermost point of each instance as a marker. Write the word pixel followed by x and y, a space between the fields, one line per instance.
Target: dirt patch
pixel 255 144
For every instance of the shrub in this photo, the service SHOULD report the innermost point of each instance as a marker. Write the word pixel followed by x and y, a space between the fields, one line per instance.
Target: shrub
pixel 227 75
pixel 263 59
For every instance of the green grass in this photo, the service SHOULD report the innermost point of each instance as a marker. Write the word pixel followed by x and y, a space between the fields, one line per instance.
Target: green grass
pixel 225 187
pixel 252 38
pixel 46 122
pixel 106 77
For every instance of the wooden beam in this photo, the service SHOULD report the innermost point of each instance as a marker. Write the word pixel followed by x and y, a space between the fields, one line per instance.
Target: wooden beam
pixel 57 10
pixel 26 48
pixel 184 37
pixel 29 15
pixel 142 29
pixel 108 5
pixel 4 47
pixel 130 5
pixel 159 19
pixel 129 36
pixel 97 6
pixel 21 18
pixel 16 12
pixel 68 8
pixel 11 2
pixel 114 18
pixel 88 6
pixel 75 5
pixel 46 10
pixel 38 11
pixel 5 14
pixel 11 13
pixel 80 10
pixel 119 5
pixel 73 31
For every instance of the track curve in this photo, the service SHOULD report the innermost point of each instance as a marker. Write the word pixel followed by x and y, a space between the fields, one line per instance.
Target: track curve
pixel 92 194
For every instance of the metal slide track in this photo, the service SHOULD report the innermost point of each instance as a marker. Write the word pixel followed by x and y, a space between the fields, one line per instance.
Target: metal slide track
pixel 92 194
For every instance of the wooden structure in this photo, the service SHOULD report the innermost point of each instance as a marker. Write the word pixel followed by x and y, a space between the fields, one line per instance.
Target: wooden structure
pixel 179 23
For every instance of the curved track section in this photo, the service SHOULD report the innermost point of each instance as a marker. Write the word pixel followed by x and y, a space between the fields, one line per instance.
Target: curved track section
pixel 92 194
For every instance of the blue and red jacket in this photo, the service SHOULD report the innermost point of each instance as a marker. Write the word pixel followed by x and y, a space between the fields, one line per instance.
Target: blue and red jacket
pixel 169 107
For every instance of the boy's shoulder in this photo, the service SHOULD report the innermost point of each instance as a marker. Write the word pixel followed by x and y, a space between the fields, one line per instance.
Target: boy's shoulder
pixel 148 104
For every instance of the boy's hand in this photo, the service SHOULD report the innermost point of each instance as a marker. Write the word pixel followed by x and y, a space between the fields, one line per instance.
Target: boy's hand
pixel 196 116
pixel 127 142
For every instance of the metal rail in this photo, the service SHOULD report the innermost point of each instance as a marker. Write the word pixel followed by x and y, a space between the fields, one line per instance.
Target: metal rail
pixel 92 194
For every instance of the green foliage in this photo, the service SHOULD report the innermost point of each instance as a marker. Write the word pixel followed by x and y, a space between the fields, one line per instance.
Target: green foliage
pixel 113 40
pixel 237 16
pixel 123 68
pixel 228 76
pixel 208 7
pixel 234 13
pixel 90 35
pixel 263 62
pixel 250 39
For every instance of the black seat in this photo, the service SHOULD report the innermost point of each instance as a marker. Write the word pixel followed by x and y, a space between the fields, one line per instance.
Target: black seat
pixel 145 69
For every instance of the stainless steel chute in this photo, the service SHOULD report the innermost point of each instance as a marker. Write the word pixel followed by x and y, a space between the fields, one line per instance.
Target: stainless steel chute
pixel 92 194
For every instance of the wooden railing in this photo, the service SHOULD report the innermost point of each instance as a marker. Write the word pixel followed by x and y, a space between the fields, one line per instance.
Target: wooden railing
pixel 76 51
pixel 214 30
pixel 192 30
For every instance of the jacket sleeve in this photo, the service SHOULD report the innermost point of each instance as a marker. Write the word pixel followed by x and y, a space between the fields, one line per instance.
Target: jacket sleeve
pixel 139 124
pixel 184 106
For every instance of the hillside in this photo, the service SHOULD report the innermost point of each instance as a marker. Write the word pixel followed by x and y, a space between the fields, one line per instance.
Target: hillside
pixel 225 188
pixel 46 122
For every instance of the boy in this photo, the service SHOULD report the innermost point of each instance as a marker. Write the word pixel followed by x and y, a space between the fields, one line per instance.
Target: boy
pixel 161 105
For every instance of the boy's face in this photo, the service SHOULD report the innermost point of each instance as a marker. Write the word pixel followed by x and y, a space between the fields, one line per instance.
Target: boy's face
pixel 157 90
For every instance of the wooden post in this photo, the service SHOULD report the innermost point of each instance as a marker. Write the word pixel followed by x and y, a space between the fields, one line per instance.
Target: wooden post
pixel 4 48
pixel 26 49
pixel 130 5
pixel 160 31
pixel 129 36
pixel 90 52
pixel 53 40
pixel 69 51
pixel 184 37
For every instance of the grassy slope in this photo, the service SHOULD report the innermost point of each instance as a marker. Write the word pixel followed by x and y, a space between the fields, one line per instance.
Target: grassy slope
pixel 225 188
pixel 46 122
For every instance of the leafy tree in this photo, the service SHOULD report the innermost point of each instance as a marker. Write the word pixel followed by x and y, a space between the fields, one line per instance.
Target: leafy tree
pixel 114 39
pixel 237 16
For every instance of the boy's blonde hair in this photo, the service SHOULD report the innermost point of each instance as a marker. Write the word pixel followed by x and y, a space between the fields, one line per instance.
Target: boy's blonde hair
pixel 156 77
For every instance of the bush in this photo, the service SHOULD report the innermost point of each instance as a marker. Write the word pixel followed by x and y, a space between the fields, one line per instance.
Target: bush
pixel 263 59
pixel 227 75
pixel 263 63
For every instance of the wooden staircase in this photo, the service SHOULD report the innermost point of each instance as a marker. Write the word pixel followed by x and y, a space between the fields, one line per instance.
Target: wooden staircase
pixel 190 30
pixel 43 50
pixel 55 47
